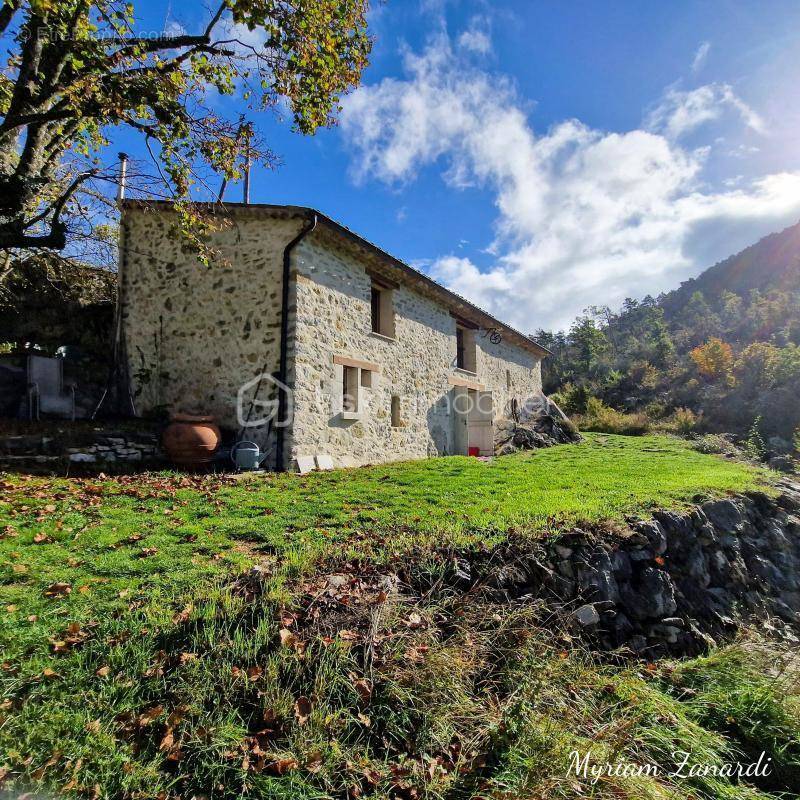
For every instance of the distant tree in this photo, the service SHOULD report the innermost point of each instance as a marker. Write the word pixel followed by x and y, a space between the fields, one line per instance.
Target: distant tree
pixel 590 344
pixel 77 69
pixel 714 360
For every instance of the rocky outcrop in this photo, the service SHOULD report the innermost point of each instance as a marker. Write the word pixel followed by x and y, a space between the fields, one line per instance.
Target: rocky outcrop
pixel 542 431
pixel 670 584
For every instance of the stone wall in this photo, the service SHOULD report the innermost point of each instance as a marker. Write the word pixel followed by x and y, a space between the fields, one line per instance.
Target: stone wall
pixel 195 335
pixel 670 584
pixel 333 318
pixel 104 448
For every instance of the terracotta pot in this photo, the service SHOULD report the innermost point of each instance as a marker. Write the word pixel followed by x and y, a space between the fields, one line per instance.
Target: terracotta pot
pixel 191 439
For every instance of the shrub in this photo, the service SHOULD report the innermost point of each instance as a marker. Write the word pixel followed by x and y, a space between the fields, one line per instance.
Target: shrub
pixel 716 444
pixel 754 445
pixel 683 421
pixel 796 439
pixel 604 419
pixel 572 399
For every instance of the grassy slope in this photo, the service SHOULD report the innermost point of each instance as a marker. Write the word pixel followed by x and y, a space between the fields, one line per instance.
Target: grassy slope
pixel 98 692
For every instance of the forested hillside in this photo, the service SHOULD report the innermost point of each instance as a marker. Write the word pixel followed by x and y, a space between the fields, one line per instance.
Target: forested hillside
pixel 720 353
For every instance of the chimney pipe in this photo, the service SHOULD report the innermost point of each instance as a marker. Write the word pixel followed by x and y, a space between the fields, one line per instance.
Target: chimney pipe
pixel 123 171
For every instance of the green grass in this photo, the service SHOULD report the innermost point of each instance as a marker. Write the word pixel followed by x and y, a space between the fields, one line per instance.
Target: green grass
pixel 132 676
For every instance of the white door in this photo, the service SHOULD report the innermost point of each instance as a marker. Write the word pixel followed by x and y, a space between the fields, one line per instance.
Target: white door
pixel 481 423
pixel 460 417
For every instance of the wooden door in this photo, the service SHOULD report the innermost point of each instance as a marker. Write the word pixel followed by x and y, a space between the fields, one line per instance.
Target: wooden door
pixel 481 423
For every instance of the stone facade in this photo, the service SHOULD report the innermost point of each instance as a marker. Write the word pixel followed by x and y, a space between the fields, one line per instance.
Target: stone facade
pixel 195 335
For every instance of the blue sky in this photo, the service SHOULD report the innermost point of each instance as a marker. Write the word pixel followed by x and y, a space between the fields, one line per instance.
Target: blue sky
pixel 540 157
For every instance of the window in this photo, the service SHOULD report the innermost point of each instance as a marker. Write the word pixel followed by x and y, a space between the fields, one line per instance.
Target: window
pixel 508 379
pixel 366 378
pixel 396 423
pixel 350 389
pixel 376 309
pixel 382 310
pixel 466 357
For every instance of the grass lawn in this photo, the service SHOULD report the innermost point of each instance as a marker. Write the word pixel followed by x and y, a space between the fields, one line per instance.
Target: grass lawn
pixel 133 666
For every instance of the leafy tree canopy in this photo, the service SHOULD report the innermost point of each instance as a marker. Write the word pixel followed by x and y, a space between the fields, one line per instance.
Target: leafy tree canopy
pixel 77 69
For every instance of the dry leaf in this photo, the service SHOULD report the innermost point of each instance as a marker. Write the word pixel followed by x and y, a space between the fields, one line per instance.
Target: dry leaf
pixel 288 639
pixel 302 710
pixel 58 590
pixel 282 766
pixel 314 763
pixel 414 620
pixel 364 688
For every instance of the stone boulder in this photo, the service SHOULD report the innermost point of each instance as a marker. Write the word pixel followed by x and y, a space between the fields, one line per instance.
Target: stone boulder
pixel 544 430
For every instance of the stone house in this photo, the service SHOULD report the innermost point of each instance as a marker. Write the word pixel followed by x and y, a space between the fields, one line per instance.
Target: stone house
pixel 380 363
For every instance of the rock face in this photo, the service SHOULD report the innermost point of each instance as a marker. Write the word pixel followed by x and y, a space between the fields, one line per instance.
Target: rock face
pixel 671 584
pixel 544 430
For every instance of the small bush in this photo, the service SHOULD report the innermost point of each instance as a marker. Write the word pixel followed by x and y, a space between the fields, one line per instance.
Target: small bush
pixel 754 444
pixel 572 399
pixel 682 421
pixel 604 419
pixel 716 444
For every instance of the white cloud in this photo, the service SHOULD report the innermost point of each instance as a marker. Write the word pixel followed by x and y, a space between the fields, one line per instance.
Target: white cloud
pixel 679 112
pixel 476 37
pixel 584 216
pixel 701 56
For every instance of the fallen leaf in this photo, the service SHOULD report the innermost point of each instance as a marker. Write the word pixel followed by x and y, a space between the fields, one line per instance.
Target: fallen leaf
pixel 58 590
pixel 314 763
pixel 414 620
pixel 168 741
pixel 282 766
pixel 288 639
pixel 302 710
pixel 363 687
pixel 103 672
pixel 146 717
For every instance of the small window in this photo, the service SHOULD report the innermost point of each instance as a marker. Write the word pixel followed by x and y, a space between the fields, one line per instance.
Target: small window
pixel 396 423
pixel 376 309
pixel 366 378
pixel 466 357
pixel 350 389
pixel 382 310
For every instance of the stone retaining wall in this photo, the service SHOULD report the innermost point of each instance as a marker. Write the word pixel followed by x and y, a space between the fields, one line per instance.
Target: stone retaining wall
pixel 88 449
pixel 671 584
